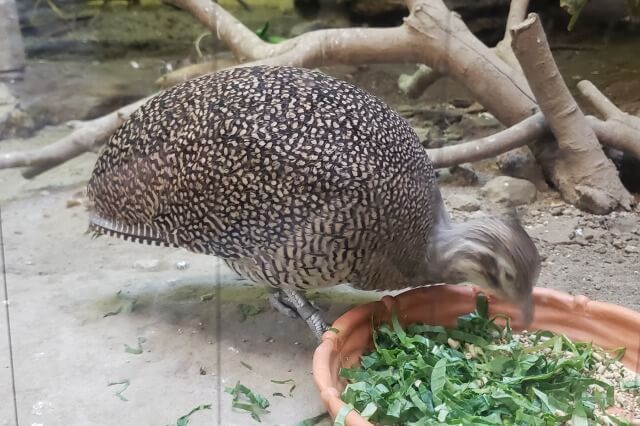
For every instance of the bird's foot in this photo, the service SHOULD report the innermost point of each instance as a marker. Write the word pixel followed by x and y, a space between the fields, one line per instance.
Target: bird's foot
pixel 295 305
pixel 279 302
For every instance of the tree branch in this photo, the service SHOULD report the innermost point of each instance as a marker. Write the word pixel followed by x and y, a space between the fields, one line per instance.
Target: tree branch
pixel 417 83
pixel 594 180
pixel 517 13
pixel 243 43
pixel 622 136
pixel 619 129
pixel 518 135
pixel 88 136
pixel 597 100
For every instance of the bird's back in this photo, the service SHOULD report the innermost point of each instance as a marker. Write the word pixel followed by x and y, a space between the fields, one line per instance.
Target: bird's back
pixel 288 174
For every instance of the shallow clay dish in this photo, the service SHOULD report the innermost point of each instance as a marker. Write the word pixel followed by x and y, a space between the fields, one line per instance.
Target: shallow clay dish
pixel 581 319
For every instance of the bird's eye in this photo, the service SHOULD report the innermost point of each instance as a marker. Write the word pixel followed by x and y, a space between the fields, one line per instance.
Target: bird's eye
pixel 509 276
pixel 493 279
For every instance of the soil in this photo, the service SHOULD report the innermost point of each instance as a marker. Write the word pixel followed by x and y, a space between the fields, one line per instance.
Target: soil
pixel 61 282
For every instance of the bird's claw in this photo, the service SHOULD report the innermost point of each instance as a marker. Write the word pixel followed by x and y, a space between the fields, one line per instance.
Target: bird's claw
pixel 294 305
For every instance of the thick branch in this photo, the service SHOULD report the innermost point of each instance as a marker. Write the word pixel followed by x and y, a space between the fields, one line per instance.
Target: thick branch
pixel 618 135
pixel 595 182
pixel 598 101
pixel 88 136
pixel 518 135
pixel 194 70
pixel 517 13
pixel 417 83
pixel 619 130
pixel 243 43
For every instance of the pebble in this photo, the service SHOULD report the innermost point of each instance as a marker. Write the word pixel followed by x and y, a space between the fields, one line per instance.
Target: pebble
pixel 617 243
pixel 557 211
pixel 512 191
pixel 631 249
pixel 182 265
pixel 146 264
pixel 463 202
pixel 600 249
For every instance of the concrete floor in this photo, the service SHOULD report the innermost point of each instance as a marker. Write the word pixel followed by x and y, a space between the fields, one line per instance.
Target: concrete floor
pixel 62 283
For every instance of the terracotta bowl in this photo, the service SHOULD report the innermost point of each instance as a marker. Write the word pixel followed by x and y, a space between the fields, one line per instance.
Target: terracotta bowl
pixel 606 325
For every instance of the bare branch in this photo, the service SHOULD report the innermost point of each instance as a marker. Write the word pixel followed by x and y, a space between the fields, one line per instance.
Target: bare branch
pixel 415 84
pixel 194 70
pixel 619 135
pixel 88 136
pixel 244 43
pixel 619 130
pixel 590 180
pixel 517 13
pixel 598 101
pixel 528 130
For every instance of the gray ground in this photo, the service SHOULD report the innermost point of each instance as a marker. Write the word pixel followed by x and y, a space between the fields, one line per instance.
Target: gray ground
pixel 62 283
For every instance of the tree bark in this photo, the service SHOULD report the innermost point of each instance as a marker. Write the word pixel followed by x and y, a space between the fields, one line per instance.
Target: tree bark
pixel 527 131
pixel 586 177
pixel 88 136
pixel 12 57
pixel 620 130
pixel 517 13
pixel 417 83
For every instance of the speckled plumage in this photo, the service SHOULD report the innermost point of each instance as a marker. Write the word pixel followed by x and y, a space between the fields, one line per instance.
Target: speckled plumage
pixel 292 177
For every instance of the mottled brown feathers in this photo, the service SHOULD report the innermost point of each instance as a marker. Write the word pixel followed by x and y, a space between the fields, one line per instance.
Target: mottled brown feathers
pixel 293 177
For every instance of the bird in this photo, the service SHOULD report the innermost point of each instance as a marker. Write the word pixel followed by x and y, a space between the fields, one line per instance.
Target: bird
pixel 299 181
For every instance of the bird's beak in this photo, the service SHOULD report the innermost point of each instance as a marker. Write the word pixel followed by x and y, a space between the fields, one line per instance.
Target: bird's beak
pixel 527 309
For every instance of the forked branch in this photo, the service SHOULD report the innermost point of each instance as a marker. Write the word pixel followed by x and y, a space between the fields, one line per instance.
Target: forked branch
pixel 589 179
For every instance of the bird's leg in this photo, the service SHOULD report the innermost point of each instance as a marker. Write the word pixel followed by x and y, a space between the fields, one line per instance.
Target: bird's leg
pixel 290 301
pixel 281 304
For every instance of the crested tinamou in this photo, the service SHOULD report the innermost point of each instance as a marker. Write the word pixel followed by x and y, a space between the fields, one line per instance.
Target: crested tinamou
pixel 297 180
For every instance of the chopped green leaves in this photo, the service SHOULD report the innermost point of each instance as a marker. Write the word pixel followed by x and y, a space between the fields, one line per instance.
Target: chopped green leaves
pixel 126 304
pixel 247 311
pixel 312 421
pixel 136 351
pixel 477 373
pixel 125 384
pixel 282 382
pixel 342 415
pixel 438 378
pixel 184 420
pixel 246 400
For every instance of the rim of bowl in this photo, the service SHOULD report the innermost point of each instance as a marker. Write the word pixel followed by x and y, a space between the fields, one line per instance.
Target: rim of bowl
pixel 605 324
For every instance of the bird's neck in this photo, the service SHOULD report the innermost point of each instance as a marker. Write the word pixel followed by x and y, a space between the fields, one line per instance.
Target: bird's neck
pixel 446 246
pixel 434 268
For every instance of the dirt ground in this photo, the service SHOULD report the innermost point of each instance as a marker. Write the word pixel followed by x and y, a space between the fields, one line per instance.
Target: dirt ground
pixel 63 284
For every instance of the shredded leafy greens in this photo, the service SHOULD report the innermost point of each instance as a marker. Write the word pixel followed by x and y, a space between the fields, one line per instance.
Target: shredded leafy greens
pixel 475 374
pixel 245 399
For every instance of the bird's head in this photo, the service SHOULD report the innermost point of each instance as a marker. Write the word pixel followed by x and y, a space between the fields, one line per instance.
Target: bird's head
pixel 495 254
